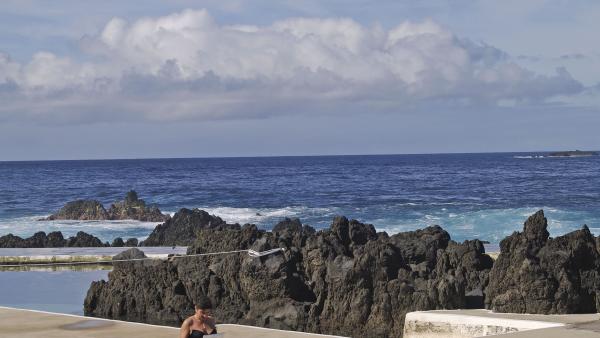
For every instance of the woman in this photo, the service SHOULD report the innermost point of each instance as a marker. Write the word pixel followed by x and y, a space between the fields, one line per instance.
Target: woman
pixel 201 323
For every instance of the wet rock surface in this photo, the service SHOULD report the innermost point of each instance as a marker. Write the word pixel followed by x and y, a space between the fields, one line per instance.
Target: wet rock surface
pixel 538 274
pixel 345 280
pixel 130 208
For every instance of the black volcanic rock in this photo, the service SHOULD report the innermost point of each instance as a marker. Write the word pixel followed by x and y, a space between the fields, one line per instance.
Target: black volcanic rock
pixel 80 210
pixel 183 227
pixel 538 274
pixel 55 239
pixel 134 208
pixel 38 240
pixel 117 242
pixel 345 280
pixel 11 241
pixel 52 240
pixel 83 239
pixel 130 208
pixel 131 242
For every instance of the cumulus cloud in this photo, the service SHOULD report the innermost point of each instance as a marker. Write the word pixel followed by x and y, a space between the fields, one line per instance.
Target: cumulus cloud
pixel 187 66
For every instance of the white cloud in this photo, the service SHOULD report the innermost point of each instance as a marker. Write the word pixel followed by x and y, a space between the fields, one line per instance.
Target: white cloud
pixel 187 66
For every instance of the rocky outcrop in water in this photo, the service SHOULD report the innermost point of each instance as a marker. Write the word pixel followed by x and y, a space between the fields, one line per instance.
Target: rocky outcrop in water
pixel 52 240
pixel 80 210
pixel 574 153
pixel 538 274
pixel 82 239
pixel 134 208
pixel 130 208
pixel 117 242
pixel 345 280
pixel 56 240
pixel 131 242
pixel 183 227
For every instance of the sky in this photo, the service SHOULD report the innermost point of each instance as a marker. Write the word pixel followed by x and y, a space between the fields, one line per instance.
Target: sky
pixel 145 79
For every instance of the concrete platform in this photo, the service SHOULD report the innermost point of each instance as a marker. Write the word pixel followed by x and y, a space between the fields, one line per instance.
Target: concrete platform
pixel 68 255
pixel 482 323
pixel 18 323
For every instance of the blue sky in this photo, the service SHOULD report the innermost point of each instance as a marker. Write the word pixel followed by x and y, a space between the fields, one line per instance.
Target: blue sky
pixel 112 79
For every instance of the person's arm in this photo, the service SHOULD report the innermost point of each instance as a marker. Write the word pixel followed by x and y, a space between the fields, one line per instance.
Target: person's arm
pixel 184 332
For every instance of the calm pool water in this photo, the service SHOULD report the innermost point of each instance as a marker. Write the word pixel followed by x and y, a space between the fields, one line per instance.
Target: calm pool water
pixel 54 291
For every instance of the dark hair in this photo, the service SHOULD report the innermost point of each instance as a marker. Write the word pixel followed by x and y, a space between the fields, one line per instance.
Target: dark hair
pixel 203 303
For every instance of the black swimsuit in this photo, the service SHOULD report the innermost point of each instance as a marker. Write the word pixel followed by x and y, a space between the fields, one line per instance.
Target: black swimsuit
pixel 200 334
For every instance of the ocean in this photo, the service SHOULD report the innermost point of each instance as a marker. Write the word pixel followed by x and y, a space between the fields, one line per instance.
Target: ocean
pixel 485 196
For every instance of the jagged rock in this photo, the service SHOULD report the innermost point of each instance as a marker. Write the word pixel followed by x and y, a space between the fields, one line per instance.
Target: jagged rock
pixel 38 240
pixel 55 239
pixel 182 229
pixel 83 239
pixel 346 280
pixel 11 241
pixel 134 208
pixel 52 240
pixel 131 242
pixel 118 242
pixel 538 274
pixel 80 210
pixel 130 208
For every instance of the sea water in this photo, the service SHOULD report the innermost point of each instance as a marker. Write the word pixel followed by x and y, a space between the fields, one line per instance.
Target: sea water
pixel 486 196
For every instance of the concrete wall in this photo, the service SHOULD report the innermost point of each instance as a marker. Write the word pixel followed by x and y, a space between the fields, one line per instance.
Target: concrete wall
pixel 438 324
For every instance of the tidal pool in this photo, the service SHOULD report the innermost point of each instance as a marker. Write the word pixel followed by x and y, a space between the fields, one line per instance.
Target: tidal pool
pixel 54 291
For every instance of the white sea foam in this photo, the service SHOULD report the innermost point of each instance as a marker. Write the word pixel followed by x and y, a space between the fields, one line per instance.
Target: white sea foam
pixel 266 216
pixel 529 156
pixel 488 224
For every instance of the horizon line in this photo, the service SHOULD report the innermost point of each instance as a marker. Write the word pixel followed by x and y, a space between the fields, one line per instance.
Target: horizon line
pixel 285 156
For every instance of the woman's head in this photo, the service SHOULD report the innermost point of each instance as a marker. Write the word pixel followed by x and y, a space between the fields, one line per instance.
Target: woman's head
pixel 203 306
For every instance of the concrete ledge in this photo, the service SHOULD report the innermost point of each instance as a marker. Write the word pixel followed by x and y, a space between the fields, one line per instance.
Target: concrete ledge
pixel 481 323
pixel 20 323
pixel 27 256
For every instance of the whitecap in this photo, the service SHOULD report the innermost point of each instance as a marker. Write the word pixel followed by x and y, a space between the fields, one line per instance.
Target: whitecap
pixel 266 216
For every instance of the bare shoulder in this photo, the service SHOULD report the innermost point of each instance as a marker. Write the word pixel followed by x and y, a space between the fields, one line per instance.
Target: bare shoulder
pixel 187 322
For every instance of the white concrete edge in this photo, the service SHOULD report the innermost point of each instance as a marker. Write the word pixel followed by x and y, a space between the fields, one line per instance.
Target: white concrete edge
pixel 162 326
pixel 50 257
pixel 86 318
pixel 276 330
pixel 464 319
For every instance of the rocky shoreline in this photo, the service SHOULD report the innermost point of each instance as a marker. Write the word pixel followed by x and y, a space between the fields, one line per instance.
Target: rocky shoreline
pixel 56 239
pixel 347 279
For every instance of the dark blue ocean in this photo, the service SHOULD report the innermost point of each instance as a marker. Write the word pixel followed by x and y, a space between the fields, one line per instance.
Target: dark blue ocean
pixel 486 196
